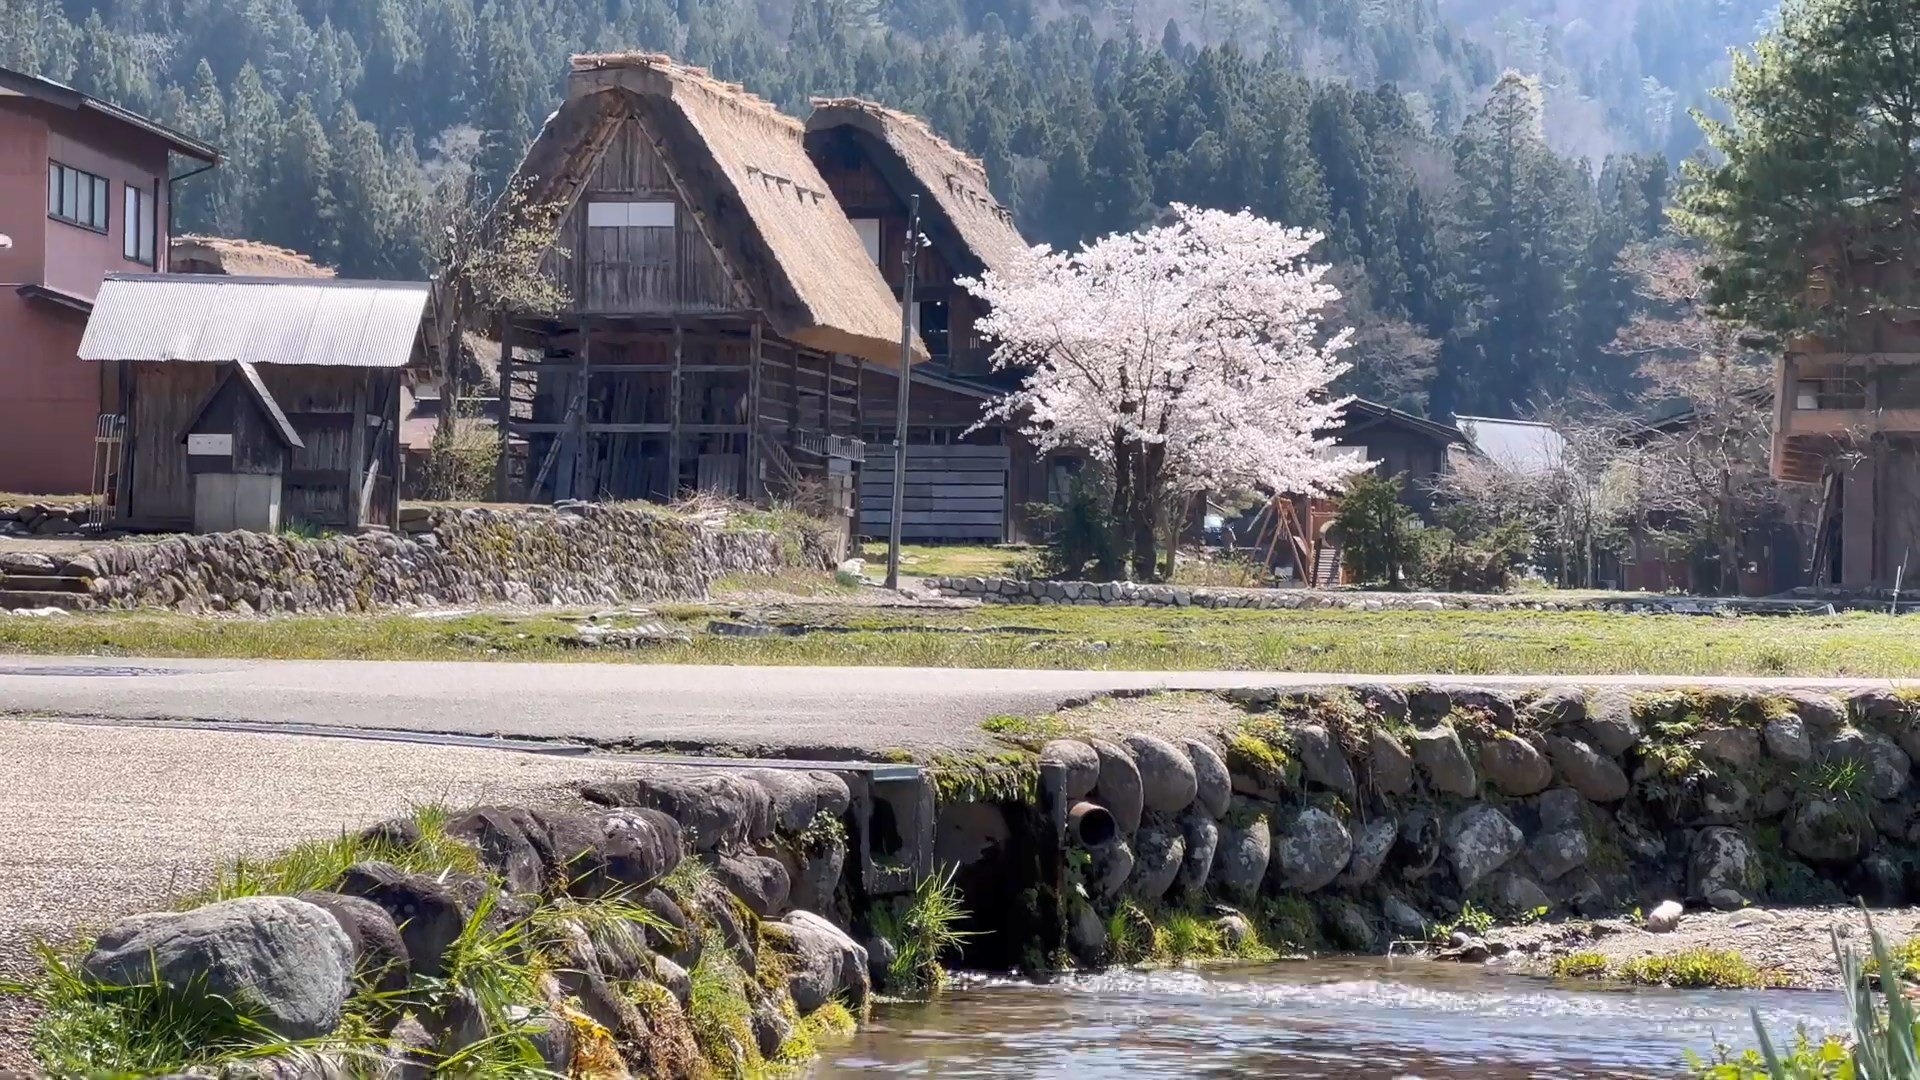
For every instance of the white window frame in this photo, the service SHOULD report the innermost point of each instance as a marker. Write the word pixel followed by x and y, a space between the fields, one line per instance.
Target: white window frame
pixel 141 227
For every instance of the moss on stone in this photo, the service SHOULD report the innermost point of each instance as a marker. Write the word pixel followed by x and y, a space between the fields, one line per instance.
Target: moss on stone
pixel 1259 747
pixel 1009 777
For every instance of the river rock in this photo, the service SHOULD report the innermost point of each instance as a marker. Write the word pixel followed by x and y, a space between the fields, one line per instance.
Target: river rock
pixel 1350 926
pixel 612 850
pixel 1444 761
pixel 824 962
pixel 1597 778
pixel 771 1028
pixel 1246 846
pixel 1417 846
pixel 380 958
pixel 289 959
pixel 792 797
pixel 1554 854
pixel 760 882
pixel 1069 769
pixel 1202 835
pixel 678 936
pixel 1480 840
pixel 816 876
pixel 713 809
pixel 1611 725
pixel 1427 705
pixel 1515 894
pixel 1885 763
pixel 1878 882
pixel 1388 763
pixel 1513 766
pixel 1119 788
pixel 1111 869
pixel 1403 918
pixel 1877 705
pixel 1321 759
pixel 1490 703
pixel 1553 708
pixel 1213 785
pixel 1086 935
pixel 1827 832
pixel 1389 703
pixel 1233 928
pixel 1311 851
pixel 1665 916
pixel 510 842
pixel 1168 782
pixel 1735 746
pixel 1561 808
pixel 1372 843
pixel 672 976
pixel 427 910
pixel 1159 850
pixel 1823 714
pixel 1786 739
pixel 1722 868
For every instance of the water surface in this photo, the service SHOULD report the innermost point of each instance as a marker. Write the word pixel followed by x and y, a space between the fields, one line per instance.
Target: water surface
pixel 1323 1019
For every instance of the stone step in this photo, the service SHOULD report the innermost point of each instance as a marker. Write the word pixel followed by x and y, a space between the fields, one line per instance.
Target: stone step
pixel 42 583
pixel 13 599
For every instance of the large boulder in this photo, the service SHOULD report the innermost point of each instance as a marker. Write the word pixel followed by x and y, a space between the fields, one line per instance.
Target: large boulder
pixel 511 843
pixel 1158 852
pixel 824 961
pixel 1553 708
pixel 1372 843
pixel 1322 760
pixel 793 798
pixel 1168 783
pixel 612 850
pixel 1823 714
pixel 1722 869
pixel 1310 851
pixel 1246 847
pixel 760 882
pixel 1416 848
pixel 1386 702
pixel 380 958
pixel 1201 834
pixel 1513 766
pixel 1561 808
pixel 1611 726
pixel 1444 762
pixel 1111 869
pixel 1787 740
pixel 1213 784
pixel 677 935
pixel 816 873
pixel 1885 764
pixel 1388 763
pixel 427 910
pixel 1738 747
pixel 1828 833
pixel 714 809
pixel 1069 769
pixel 286 961
pixel 1119 789
pixel 1478 841
pixel 1595 776
pixel 1555 854
pixel 1515 894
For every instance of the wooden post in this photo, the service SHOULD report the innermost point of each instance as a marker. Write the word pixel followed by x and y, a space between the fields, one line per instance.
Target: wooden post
pixel 674 389
pixel 751 490
pixel 505 420
pixel 357 452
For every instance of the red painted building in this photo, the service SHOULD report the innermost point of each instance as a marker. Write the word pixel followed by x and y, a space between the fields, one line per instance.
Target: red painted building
pixel 85 188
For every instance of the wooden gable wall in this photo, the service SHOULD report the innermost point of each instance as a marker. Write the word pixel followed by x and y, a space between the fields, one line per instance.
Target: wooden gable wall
pixel 641 269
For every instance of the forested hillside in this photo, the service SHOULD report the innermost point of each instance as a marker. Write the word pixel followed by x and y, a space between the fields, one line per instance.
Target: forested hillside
pixel 1478 262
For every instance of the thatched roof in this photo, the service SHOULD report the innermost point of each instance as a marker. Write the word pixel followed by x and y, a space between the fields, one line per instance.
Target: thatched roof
pixel 953 183
pixel 745 174
pixel 239 258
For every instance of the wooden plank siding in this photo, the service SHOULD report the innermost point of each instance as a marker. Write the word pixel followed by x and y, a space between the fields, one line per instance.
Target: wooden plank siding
pixel 952 492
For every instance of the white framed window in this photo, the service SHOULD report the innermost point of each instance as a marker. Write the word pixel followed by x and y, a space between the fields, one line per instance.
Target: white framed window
pixel 630 215
pixel 140 228
pixel 76 197
pixel 869 230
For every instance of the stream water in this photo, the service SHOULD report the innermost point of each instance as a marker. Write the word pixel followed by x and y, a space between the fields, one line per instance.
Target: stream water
pixel 1322 1019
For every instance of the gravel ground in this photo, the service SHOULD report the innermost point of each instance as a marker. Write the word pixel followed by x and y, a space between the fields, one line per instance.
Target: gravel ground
pixel 1796 942
pixel 100 822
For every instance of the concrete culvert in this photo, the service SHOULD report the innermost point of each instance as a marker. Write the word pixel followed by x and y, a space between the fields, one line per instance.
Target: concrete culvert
pixel 1091 826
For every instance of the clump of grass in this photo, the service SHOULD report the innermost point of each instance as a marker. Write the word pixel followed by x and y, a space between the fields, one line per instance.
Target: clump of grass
pixel 688 882
pixel 829 1023
pixel 720 1014
pixel 1705 968
pixel 923 935
pixel 1580 965
pixel 1259 746
pixel 318 864
pixel 1029 732
pixel 1291 922
pixel 1905 958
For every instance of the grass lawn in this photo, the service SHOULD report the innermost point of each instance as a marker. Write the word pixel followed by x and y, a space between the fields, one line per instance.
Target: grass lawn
pixel 950 560
pixel 1446 642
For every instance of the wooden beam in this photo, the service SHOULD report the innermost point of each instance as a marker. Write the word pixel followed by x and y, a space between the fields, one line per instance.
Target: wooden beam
pixel 357 454
pixel 675 407
pixel 753 414
pixel 506 416
pixel 623 428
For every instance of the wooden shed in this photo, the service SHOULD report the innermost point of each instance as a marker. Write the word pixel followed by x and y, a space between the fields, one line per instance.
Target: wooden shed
pixel 329 353
pixel 722 306
pixel 964 482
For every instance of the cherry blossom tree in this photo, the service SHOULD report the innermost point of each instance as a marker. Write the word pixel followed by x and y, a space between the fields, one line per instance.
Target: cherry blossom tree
pixel 1186 357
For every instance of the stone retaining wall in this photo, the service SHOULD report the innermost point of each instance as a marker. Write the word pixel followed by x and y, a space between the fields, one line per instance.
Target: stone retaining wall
pixel 442 556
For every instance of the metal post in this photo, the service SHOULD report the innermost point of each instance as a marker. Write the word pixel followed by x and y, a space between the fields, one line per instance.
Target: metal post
pixel 910 257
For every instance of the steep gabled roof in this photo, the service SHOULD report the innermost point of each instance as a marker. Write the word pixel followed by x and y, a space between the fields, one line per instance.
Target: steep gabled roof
pixel 951 184
pixel 746 176
pixel 242 258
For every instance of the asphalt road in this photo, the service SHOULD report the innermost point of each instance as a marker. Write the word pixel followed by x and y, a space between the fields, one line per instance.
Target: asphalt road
pixel 785 710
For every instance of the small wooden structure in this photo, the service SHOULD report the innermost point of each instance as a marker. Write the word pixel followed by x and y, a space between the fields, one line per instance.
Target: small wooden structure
pixel 722 306
pixel 238 447
pixel 329 353
pixel 964 482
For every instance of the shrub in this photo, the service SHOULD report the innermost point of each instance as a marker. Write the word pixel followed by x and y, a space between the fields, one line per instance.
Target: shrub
pixel 1081 532
pixel 1383 543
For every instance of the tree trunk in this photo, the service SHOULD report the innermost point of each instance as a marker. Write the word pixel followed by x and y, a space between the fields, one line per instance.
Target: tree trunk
pixel 1148 460
pixel 1123 497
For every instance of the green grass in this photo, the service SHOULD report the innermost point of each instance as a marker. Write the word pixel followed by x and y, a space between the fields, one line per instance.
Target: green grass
pixel 1719 969
pixel 1580 965
pixel 1447 642
pixel 318 864
pixel 954 560
pixel 924 935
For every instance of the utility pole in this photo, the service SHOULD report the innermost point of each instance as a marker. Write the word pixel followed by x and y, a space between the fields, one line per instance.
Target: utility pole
pixel 909 257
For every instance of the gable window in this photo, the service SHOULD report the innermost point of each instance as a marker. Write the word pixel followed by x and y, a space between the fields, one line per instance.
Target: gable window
pixel 76 197
pixel 141 228
pixel 630 215
pixel 869 230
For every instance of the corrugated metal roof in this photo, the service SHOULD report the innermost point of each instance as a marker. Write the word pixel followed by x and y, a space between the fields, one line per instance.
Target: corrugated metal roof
pixel 199 318
pixel 1523 446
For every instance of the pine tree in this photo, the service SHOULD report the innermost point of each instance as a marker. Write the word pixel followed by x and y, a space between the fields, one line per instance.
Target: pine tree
pixel 1119 185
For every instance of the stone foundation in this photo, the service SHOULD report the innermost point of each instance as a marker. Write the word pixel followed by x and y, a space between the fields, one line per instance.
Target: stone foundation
pixel 443 556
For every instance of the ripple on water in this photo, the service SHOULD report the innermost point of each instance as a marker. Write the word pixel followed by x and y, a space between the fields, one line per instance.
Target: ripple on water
pixel 1312 1020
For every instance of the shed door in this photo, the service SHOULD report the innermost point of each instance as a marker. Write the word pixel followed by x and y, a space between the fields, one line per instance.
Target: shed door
pixel 953 493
